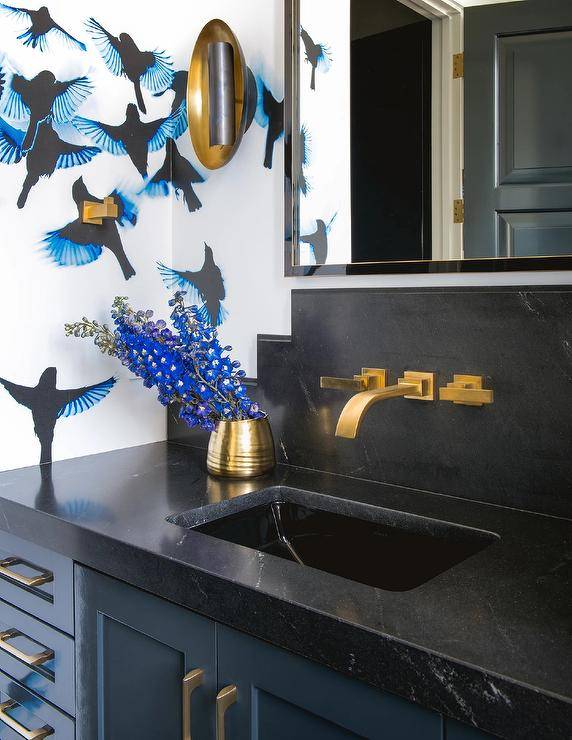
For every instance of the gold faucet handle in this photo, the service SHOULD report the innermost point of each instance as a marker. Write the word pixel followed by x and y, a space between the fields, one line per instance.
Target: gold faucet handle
pixel 467 390
pixel 370 379
pixel 94 213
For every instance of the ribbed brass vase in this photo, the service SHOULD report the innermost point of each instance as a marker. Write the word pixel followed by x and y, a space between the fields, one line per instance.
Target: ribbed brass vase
pixel 241 449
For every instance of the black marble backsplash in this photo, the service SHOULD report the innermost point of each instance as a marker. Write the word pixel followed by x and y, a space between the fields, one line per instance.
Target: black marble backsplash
pixel 516 452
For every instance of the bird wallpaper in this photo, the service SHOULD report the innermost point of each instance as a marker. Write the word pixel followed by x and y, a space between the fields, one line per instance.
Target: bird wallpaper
pixel 324 140
pixel 93 105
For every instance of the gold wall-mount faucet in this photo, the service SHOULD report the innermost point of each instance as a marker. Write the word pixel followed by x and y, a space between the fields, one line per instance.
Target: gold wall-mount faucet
pixel 371 387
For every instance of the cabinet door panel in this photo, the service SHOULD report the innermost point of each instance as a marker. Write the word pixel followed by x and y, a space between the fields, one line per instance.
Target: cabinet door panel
pixel 282 696
pixel 133 651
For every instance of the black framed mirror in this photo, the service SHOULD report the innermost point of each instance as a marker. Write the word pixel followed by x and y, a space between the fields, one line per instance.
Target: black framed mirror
pixel 425 141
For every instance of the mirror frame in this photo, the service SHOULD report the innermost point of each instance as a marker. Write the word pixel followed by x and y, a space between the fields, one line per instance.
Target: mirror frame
pixel 291 230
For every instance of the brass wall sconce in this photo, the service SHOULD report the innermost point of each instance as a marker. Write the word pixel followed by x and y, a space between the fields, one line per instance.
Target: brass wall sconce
pixel 94 213
pixel 467 390
pixel 221 95
pixel 371 387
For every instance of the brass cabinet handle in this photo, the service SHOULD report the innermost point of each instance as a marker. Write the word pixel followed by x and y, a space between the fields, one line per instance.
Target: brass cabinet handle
pixel 17 727
pixel 44 577
pixel 191 682
pixel 225 698
pixel 29 660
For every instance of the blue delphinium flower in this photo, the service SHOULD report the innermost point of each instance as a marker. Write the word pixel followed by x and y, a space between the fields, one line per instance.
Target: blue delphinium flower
pixel 188 366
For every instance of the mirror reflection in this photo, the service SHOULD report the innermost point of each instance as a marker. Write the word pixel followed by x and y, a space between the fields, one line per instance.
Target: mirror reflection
pixel 428 136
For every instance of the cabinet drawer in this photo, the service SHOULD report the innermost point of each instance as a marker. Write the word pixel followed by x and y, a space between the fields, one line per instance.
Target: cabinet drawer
pixel 37 580
pixel 21 712
pixel 38 656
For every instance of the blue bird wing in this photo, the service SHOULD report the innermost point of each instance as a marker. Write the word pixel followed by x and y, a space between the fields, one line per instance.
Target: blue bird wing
pixel 72 155
pixel 128 210
pixel 108 46
pixel 29 38
pixel 157 189
pixel 10 143
pixel 205 315
pixel 324 58
pixel 67 38
pixel 181 121
pixel 159 131
pixel 176 279
pixel 70 95
pixel 83 399
pixel 13 104
pixel 106 137
pixel 20 13
pixel 60 246
pixel 159 72
pixel 305 145
pixel 261 115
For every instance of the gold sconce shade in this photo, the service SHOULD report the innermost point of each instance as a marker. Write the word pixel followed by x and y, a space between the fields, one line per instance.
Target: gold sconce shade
pixel 217 59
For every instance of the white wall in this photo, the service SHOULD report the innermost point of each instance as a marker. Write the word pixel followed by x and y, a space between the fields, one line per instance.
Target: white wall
pixel 37 296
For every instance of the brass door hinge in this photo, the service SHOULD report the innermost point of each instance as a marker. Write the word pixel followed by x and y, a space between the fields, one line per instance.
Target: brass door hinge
pixel 459 211
pixel 458 65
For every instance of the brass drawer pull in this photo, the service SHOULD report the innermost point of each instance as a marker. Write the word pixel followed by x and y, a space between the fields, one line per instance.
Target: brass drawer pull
pixel 225 699
pixel 191 682
pixel 30 660
pixel 44 577
pixel 17 727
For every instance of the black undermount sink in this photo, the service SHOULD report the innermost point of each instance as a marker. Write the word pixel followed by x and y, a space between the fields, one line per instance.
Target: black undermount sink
pixel 394 552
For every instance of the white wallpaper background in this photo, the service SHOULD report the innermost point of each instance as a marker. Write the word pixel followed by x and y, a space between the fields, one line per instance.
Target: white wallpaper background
pixel 326 110
pixel 241 219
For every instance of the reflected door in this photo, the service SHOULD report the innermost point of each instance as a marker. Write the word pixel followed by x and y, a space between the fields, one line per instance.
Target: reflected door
pixel 518 135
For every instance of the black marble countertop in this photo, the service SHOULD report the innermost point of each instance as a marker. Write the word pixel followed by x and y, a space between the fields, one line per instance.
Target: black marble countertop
pixel 488 642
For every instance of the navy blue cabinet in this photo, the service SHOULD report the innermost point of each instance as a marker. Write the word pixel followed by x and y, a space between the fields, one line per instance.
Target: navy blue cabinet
pixel 149 670
pixel 280 696
pixel 133 653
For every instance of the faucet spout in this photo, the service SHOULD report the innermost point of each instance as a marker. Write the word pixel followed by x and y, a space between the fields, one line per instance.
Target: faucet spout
pixel 357 407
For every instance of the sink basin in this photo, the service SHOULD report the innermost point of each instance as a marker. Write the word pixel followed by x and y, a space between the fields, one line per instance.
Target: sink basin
pixel 394 552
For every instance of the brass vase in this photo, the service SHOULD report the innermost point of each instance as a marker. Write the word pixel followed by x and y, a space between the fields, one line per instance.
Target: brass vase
pixel 241 449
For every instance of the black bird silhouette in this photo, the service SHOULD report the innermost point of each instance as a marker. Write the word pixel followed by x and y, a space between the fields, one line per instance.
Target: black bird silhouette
pixel 318 240
pixel 78 244
pixel 152 69
pixel 48 404
pixel 177 173
pixel 179 104
pixel 269 114
pixel 132 137
pixel 50 153
pixel 41 98
pixel 205 284
pixel 41 24
pixel 317 55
